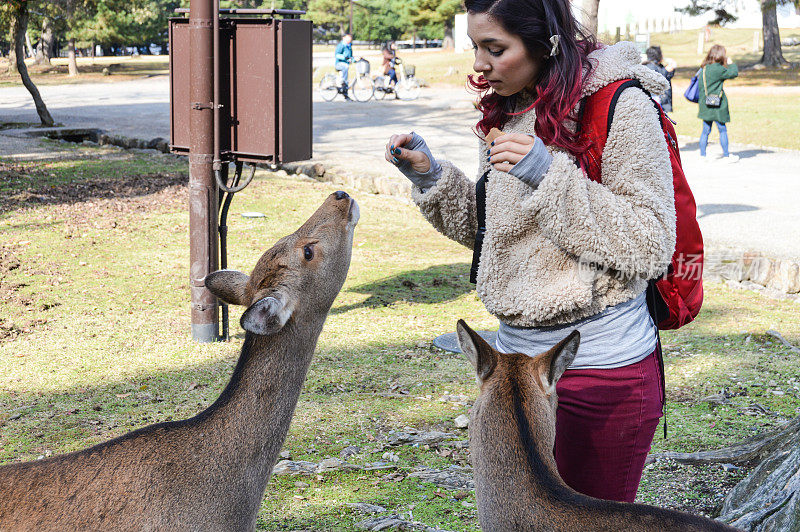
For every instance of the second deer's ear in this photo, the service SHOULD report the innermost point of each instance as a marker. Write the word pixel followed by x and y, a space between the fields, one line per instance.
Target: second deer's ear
pixel 561 356
pixel 228 285
pixel 476 350
pixel 267 315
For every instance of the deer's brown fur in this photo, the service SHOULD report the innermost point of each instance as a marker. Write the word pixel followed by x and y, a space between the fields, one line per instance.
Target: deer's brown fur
pixel 208 472
pixel 512 432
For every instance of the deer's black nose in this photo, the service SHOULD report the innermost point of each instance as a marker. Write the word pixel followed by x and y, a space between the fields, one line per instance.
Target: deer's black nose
pixel 341 194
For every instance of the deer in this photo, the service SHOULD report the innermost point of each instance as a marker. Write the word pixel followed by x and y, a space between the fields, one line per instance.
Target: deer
pixel 208 472
pixel 511 438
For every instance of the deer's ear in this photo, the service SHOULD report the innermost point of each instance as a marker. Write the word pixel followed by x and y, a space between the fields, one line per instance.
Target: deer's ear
pixel 228 285
pixel 560 357
pixel 476 350
pixel 267 315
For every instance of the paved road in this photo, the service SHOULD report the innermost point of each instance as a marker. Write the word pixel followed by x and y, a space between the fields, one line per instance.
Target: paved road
pixel 749 205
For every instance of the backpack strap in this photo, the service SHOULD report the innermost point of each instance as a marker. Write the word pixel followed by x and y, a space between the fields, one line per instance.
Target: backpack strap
pixel 596 117
pixel 480 207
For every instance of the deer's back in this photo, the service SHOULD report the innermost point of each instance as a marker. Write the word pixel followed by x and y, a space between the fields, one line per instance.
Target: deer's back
pixel 142 481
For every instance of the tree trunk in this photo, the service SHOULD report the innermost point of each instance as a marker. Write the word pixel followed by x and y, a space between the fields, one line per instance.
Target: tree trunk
pixel 590 8
pixel 12 53
pixel 19 26
pixel 44 52
pixel 72 62
pixel 28 45
pixel 773 56
pixel 769 497
pixel 449 42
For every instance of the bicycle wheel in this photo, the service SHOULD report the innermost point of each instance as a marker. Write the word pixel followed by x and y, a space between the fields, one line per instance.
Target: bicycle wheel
pixel 407 89
pixel 363 88
pixel 328 88
pixel 381 87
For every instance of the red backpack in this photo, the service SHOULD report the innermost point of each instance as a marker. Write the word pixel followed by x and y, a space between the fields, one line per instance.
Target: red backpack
pixel 674 299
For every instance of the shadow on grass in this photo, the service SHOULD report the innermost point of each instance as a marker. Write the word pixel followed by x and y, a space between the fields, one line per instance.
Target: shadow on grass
pixel 437 284
pixel 29 188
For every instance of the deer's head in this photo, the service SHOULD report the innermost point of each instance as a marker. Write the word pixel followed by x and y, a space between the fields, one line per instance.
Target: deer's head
pixel 506 378
pixel 299 276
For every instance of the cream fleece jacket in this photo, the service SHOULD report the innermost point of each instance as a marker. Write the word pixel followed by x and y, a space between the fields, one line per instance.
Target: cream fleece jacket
pixel 538 240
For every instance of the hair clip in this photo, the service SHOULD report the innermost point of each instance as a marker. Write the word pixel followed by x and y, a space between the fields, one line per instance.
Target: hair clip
pixel 554 40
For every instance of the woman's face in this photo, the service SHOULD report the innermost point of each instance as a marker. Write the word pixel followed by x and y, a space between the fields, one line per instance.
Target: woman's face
pixel 501 56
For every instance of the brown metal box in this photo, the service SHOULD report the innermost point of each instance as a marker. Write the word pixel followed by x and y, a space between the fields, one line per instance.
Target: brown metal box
pixel 265 89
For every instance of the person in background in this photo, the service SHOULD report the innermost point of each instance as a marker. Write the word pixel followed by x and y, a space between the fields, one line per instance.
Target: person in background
pixel 389 51
pixel 655 60
pixel 343 57
pixel 715 69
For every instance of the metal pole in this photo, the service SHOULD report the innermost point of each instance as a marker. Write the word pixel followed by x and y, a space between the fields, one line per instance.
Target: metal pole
pixel 203 199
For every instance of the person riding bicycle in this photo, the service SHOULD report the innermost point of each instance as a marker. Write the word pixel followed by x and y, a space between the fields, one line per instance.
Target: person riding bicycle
pixel 389 51
pixel 343 57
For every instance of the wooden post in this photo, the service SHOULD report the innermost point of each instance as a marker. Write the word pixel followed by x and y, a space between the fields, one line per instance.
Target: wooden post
pixel 618 37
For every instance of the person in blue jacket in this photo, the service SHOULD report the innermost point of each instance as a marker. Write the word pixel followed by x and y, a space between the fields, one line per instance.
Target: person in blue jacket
pixel 344 56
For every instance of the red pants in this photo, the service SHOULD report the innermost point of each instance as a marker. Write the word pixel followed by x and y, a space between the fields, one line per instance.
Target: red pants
pixel 605 423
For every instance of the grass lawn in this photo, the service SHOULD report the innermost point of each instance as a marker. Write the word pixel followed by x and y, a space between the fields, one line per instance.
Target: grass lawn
pixel 94 339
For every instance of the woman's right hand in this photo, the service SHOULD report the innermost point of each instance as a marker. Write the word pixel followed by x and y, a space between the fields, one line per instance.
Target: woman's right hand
pixel 410 154
pixel 397 154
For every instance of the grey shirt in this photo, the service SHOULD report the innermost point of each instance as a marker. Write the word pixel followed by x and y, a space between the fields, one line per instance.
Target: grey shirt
pixel 618 336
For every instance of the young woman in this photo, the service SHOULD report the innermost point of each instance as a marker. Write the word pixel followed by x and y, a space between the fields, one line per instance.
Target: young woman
pixel 545 220
pixel 715 69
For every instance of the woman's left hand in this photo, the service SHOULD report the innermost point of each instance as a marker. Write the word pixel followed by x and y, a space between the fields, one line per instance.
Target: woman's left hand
pixel 509 149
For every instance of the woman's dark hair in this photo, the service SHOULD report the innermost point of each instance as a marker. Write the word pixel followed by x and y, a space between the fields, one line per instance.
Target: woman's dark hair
pixel 558 88
pixel 654 54
pixel 716 54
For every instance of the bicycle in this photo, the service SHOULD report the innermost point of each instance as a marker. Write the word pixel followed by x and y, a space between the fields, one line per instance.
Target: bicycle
pixel 407 87
pixel 362 87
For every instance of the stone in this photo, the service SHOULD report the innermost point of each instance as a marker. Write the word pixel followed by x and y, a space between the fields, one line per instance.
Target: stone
pixel 329 464
pixel 759 271
pixel 289 467
pixel 302 485
pixel 349 451
pixel 452 478
pixel 423 438
pixel 461 421
pixel 366 508
pixel 285 455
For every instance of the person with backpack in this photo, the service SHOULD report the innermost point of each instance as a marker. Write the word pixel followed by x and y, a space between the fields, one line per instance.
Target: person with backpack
pixel 655 61
pixel 554 249
pixel 713 102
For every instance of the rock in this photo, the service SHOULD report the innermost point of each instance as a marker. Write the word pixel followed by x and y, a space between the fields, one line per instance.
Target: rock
pixel 386 522
pixel 286 455
pixel 390 457
pixel 281 173
pixel 349 451
pixel 301 485
pixel 452 478
pixel 760 271
pixel 366 508
pixel 329 464
pixel 423 438
pixel 289 467
pixel 461 421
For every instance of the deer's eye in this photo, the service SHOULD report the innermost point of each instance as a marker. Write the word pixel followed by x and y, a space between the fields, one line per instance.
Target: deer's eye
pixel 308 252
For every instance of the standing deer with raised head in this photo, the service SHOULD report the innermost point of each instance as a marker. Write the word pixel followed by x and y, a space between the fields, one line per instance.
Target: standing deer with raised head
pixel 208 472
pixel 511 438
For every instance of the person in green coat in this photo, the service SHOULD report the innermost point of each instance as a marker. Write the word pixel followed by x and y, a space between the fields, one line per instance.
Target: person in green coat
pixel 715 69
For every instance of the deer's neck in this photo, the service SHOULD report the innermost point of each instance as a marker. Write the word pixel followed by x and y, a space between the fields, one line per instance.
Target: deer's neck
pixel 249 421
pixel 515 472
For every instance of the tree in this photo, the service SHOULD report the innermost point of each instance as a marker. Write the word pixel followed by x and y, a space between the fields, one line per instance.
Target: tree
pixel 19 25
pixel 332 15
pixel 773 54
pixel 590 9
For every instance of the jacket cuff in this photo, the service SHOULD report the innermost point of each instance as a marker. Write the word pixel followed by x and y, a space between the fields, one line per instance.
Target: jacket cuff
pixel 533 167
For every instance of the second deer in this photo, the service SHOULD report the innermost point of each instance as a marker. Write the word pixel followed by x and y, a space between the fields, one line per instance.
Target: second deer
pixel 208 472
pixel 511 437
